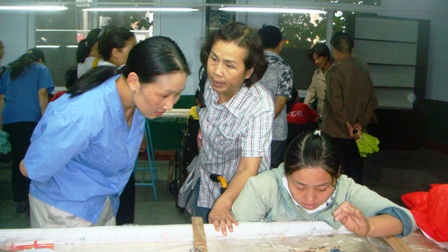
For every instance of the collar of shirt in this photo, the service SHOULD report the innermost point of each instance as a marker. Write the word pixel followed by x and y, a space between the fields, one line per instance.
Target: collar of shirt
pixel 235 102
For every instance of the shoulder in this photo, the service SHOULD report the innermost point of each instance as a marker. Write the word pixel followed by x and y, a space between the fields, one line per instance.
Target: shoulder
pixel 261 96
pixel 266 180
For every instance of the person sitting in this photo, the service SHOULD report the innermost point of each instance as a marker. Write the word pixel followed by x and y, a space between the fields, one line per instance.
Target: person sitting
pixel 309 186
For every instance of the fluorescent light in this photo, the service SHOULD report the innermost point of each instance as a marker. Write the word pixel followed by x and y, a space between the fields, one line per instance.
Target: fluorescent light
pixel 272 10
pixel 34 7
pixel 48 46
pixel 141 9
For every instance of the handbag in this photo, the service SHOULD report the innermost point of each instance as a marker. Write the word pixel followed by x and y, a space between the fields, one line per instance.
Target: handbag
pixel 185 198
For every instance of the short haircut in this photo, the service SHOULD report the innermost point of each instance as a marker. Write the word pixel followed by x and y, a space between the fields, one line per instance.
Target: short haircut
pixel 342 42
pixel 271 36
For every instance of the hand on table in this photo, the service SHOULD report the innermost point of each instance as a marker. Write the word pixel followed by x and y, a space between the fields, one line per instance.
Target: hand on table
pixel 352 218
pixel 221 217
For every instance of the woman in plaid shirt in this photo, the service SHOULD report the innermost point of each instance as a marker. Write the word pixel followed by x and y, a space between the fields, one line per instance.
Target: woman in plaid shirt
pixel 236 123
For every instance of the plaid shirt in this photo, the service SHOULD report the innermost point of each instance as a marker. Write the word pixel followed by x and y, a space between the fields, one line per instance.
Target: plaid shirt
pixel 278 80
pixel 238 128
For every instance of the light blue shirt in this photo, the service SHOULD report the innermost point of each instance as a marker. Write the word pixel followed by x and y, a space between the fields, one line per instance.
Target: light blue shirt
pixel 21 95
pixel 82 151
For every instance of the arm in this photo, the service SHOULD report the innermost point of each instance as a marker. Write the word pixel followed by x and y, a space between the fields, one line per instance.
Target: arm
pixel 43 99
pixel 279 104
pixel 311 92
pixel 220 215
pixel 23 169
pixel 372 104
pixel 374 226
pixel 334 95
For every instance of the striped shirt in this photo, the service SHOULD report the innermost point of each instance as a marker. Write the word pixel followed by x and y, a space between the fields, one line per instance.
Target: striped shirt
pixel 238 128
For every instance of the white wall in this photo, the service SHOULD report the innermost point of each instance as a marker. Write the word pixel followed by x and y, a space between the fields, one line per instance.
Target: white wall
pixel 188 30
pixel 14 32
pixel 437 12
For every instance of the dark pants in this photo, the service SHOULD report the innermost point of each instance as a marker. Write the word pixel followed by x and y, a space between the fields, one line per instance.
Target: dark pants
pixel 200 211
pixel 352 163
pixel 278 150
pixel 125 214
pixel 19 137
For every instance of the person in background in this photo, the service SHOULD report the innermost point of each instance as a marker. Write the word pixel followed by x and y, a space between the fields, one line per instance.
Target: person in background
pixel 87 54
pixel 235 124
pixel 309 186
pixel 350 103
pixel 300 117
pixel 278 80
pixel 24 89
pixel 320 55
pixel 70 78
pixel 2 68
pixel 83 150
pixel 114 45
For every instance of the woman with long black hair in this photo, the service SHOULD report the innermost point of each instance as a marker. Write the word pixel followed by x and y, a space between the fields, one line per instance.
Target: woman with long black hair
pixel 24 90
pixel 84 149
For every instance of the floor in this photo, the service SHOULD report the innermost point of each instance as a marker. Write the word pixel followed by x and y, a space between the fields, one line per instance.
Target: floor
pixel 390 173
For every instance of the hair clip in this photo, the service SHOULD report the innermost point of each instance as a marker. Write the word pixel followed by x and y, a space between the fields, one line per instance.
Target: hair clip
pixel 317 133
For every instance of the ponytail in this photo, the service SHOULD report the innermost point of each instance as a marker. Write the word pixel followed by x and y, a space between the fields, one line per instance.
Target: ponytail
pixel 93 78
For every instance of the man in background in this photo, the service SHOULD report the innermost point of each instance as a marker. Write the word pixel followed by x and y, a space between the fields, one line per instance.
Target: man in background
pixel 278 80
pixel 350 104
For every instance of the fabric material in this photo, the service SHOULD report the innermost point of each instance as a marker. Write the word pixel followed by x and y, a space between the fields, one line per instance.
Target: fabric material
pixel 264 198
pixel 21 100
pixel 350 97
pixel 278 150
pixel 278 80
pixel 301 113
pixel 430 211
pixel 352 164
pixel 367 144
pixel 91 62
pixel 238 128
pixel 19 137
pixel 95 149
pixel 316 90
pixel 43 215
pixel 126 210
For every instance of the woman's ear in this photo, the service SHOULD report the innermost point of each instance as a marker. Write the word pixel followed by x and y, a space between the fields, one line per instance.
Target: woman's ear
pixel 133 82
pixel 249 73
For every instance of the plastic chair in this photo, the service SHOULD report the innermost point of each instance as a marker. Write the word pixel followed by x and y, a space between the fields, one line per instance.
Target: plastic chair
pixel 151 168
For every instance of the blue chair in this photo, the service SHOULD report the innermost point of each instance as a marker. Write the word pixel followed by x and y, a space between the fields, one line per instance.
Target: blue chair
pixel 151 168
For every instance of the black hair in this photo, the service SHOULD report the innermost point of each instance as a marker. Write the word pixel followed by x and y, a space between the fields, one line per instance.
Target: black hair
pixel 149 59
pixel 85 45
pixel 20 65
pixel 243 36
pixel 312 150
pixel 113 38
pixel 342 42
pixel 271 36
pixel 70 77
pixel 320 49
